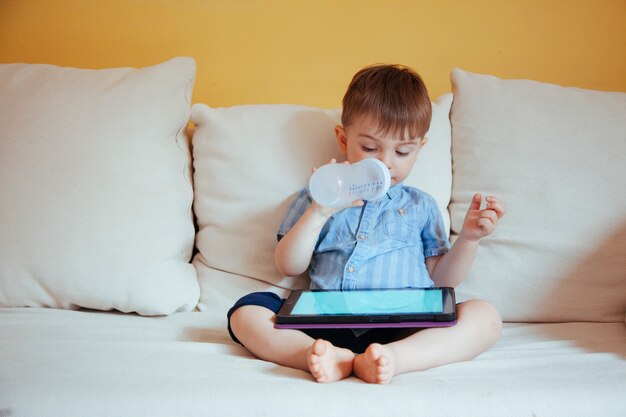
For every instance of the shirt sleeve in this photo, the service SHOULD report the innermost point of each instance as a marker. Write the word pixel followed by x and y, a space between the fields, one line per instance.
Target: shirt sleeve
pixel 297 208
pixel 434 236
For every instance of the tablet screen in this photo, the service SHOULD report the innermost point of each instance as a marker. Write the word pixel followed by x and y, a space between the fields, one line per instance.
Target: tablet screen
pixel 369 302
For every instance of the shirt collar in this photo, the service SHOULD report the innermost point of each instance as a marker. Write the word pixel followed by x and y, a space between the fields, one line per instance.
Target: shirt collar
pixel 395 191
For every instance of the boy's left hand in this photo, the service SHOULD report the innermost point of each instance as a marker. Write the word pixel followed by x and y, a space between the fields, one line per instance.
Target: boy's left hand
pixel 480 223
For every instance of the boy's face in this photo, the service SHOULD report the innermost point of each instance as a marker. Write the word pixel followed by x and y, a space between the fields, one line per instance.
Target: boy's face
pixel 362 140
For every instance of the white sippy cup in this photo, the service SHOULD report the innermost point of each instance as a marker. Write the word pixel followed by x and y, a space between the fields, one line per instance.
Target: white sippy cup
pixel 338 185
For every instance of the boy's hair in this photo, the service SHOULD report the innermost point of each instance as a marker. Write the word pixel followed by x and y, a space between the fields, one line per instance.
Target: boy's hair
pixel 394 95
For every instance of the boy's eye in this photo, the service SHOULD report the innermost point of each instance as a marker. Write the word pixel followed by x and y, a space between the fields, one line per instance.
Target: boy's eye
pixel 368 149
pixel 402 154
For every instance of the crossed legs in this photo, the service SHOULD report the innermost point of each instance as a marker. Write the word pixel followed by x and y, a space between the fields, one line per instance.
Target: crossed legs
pixel 477 329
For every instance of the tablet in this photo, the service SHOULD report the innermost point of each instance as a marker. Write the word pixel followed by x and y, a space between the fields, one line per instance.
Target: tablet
pixel 408 307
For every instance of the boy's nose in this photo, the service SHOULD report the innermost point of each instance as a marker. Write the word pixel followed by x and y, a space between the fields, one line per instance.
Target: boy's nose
pixel 387 161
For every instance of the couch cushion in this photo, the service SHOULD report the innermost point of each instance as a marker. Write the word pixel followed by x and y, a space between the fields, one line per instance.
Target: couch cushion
pixel 62 363
pixel 555 157
pixel 96 188
pixel 251 160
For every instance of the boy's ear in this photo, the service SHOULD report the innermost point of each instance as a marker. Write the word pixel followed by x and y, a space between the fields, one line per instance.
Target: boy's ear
pixel 423 141
pixel 342 139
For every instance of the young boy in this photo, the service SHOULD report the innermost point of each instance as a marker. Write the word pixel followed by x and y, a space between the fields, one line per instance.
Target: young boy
pixel 398 241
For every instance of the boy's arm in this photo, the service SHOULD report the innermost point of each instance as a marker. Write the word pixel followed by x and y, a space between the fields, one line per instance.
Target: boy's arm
pixel 450 270
pixel 293 252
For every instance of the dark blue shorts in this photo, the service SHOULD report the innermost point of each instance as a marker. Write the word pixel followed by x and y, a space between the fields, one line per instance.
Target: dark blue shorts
pixel 344 338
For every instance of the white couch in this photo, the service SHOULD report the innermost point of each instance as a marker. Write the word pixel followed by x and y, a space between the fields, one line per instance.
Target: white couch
pixel 122 246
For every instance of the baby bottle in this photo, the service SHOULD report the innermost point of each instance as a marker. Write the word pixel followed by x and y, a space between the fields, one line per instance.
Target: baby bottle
pixel 338 185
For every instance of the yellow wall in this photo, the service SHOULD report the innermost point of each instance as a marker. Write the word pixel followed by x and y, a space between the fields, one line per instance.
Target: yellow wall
pixel 305 51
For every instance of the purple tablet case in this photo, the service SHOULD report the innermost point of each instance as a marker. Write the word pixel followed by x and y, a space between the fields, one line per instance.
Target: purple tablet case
pixel 365 325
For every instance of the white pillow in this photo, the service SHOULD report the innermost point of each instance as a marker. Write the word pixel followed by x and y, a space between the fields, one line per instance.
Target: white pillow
pixel 96 188
pixel 433 171
pixel 555 157
pixel 250 161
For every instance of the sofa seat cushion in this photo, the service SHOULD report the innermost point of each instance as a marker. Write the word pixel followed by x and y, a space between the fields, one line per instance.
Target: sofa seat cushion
pixel 58 362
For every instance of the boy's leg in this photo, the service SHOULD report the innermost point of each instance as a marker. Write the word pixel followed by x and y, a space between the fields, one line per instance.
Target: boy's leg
pixel 477 329
pixel 254 327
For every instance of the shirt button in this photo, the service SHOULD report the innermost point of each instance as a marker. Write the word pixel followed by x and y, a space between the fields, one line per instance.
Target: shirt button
pixel 362 237
pixel 402 211
pixel 350 269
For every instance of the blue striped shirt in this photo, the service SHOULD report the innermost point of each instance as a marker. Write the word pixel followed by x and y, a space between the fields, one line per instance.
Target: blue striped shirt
pixel 382 244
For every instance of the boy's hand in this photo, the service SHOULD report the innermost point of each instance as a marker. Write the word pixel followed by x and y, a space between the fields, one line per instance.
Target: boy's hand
pixel 480 223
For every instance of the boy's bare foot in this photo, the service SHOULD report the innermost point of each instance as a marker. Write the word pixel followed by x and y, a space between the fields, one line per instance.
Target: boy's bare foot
pixel 377 365
pixel 328 363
